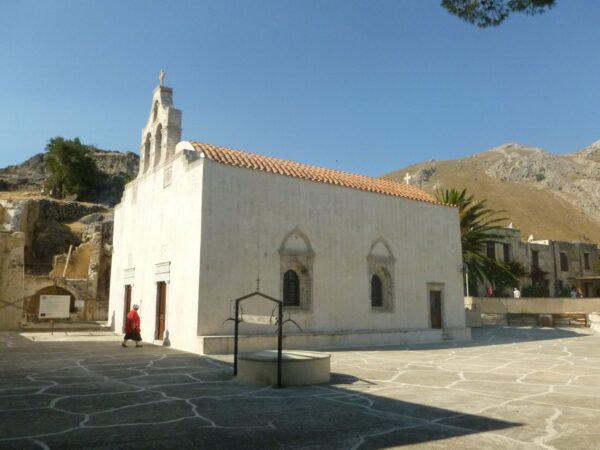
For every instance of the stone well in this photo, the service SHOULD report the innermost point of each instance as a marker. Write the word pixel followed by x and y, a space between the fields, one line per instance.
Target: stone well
pixel 298 367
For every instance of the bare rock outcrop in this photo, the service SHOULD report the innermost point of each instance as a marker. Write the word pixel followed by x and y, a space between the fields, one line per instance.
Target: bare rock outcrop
pixel 115 167
pixel 572 177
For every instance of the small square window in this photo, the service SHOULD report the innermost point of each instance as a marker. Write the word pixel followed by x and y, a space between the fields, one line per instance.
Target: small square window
pixel 535 258
pixel 506 251
pixel 491 250
pixel 564 262
pixel 586 261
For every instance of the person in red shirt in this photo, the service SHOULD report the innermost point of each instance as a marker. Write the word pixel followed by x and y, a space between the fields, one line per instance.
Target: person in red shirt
pixel 132 327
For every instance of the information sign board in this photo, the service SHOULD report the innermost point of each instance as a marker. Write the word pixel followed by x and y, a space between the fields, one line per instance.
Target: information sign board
pixel 54 306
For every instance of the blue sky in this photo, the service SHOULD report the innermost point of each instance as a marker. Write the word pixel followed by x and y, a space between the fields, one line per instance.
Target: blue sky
pixel 360 86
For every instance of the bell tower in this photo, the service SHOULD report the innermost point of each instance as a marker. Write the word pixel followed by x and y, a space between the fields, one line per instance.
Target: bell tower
pixel 163 128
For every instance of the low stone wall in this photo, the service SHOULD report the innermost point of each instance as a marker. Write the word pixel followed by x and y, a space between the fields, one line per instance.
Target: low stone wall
pixel 473 316
pixel 534 305
pixel 493 310
pixel 223 345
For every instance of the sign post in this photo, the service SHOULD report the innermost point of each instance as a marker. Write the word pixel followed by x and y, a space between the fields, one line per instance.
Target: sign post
pixel 54 307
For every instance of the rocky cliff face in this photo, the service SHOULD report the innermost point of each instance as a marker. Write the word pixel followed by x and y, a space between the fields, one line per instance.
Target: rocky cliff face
pixel 573 177
pixel 28 175
pixel 117 168
pixel 550 196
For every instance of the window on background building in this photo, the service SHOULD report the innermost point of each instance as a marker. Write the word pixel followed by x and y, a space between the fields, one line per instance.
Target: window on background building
pixel 491 250
pixel 586 261
pixel 535 259
pixel 564 262
pixel 506 250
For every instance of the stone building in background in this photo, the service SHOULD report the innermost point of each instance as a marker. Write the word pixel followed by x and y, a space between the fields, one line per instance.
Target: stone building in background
pixel 555 265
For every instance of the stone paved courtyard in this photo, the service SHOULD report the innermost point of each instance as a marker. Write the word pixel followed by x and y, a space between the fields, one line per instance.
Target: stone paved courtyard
pixel 517 388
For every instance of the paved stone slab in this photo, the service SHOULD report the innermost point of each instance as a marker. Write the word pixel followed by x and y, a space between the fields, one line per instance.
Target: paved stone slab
pixel 518 388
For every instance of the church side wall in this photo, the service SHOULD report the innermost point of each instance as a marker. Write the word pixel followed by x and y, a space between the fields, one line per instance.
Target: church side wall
pixel 248 213
pixel 157 238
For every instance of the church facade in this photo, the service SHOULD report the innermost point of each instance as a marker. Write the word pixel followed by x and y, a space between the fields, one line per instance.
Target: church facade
pixel 357 261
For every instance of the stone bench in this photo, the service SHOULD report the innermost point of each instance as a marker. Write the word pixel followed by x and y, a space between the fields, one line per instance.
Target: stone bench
pixel 569 319
pixel 298 367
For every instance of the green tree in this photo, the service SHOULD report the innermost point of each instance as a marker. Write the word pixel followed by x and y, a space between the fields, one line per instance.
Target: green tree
pixel 539 283
pixel 478 225
pixel 507 277
pixel 486 13
pixel 71 168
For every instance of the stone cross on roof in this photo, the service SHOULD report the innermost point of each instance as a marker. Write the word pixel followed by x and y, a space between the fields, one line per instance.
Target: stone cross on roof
pixel 161 77
pixel 407 178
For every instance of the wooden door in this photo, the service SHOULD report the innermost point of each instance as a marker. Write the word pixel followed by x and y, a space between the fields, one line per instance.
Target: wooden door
pixel 161 309
pixel 126 304
pixel 435 308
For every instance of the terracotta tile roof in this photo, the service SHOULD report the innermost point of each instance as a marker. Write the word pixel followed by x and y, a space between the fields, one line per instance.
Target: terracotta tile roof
pixel 312 173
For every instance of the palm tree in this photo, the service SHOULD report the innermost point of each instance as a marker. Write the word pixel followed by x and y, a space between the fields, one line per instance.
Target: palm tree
pixel 478 225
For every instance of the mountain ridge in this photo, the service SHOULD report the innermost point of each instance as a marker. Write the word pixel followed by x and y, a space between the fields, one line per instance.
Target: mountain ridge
pixel 549 196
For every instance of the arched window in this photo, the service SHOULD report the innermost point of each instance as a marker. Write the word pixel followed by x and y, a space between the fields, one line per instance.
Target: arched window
pixel 381 269
pixel 291 288
pixel 296 258
pixel 147 152
pixel 376 291
pixel 155 111
pixel 157 144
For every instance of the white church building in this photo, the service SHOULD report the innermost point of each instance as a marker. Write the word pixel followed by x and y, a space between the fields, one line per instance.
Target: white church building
pixel 357 261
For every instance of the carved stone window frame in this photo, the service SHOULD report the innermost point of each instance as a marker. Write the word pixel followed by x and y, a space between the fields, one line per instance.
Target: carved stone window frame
pixel 383 267
pixel 301 262
pixel 162 272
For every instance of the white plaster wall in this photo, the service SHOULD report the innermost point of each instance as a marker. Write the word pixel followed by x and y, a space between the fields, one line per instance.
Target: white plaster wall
pixel 163 225
pixel 246 215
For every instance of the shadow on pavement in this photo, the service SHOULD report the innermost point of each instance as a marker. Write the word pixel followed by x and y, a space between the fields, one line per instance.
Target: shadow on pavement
pixel 100 395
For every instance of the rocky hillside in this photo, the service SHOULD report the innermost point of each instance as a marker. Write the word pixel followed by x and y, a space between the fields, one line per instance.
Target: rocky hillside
pixel 116 167
pixel 547 195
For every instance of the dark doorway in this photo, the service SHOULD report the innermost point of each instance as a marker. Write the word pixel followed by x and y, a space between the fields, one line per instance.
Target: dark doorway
pixel 126 304
pixel 161 308
pixel 435 307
